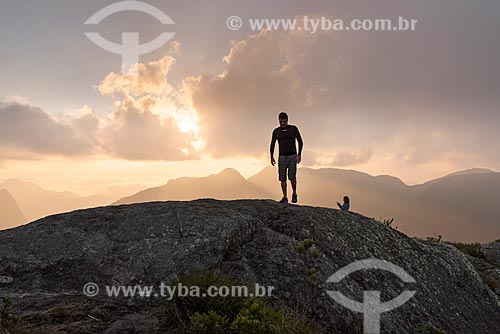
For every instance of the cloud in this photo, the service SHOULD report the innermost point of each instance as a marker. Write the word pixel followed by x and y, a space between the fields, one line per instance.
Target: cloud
pixel 16 99
pixel 26 130
pixel 151 80
pixel 407 98
pixel 136 133
pixel 358 89
pixel 152 120
pixel 351 158
pixel 238 108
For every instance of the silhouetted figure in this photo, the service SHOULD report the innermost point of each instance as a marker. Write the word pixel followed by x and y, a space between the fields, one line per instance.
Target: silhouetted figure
pixel 286 135
pixel 345 206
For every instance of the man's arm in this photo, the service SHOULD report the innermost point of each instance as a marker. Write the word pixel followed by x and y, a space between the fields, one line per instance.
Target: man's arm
pixel 273 143
pixel 299 139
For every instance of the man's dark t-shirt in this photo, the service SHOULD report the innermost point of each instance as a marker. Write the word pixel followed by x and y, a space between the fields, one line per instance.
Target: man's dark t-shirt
pixel 286 138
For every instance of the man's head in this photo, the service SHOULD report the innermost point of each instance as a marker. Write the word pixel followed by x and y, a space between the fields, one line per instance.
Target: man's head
pixel 283 118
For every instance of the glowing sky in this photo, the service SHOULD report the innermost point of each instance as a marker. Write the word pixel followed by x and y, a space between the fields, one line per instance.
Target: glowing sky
pixel 414 104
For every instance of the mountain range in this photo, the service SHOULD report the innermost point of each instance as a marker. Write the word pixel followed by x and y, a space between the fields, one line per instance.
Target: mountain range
pixel 463 206
pixel 36 202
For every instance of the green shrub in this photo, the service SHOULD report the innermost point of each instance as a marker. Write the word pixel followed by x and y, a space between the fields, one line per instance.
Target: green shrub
pixel 434 238
pixel 256 317
pixel 492 282
pixel 211 322
pixel 430 328
pixel 308 253
pixel 386 222
pixel 473 249
pixel 294 322
pixel 5 310
pixel 229 315
pixel 178 310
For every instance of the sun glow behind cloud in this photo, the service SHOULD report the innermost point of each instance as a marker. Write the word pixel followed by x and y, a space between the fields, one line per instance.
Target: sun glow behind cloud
pixel 372 102
pixel 185 119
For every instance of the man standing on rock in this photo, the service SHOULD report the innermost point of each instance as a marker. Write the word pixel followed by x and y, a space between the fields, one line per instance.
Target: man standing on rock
pixel 288 159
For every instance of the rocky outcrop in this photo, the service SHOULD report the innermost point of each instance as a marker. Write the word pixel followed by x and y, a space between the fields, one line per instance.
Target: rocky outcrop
pixel 254 239
pixel 487 264
pixel 491 252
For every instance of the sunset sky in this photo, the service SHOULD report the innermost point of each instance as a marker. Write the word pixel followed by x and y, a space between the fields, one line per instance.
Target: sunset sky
pixel 413 104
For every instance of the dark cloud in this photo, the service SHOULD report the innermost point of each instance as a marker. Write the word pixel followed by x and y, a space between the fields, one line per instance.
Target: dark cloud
pixel 29 129
pixel 413 97
pixel 239 108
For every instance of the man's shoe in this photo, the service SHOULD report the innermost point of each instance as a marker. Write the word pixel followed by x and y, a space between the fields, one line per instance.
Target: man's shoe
pixel 294 198
pixel 284 200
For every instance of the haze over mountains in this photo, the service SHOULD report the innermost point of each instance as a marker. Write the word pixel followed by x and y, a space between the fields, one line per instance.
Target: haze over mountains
pixel 36 202
pixel 10 214
pixel 463 206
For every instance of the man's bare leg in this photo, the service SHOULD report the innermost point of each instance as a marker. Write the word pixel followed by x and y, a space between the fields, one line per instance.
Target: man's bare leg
pixel 294 185
pixel 283 188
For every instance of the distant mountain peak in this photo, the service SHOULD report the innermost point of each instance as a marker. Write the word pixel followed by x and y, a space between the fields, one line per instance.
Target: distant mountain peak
pixel 14 181
pixel 472 171
pixel 229 171
pixel 390 178
pixel 10 213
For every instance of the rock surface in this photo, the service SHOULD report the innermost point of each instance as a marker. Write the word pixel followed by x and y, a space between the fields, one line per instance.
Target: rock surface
pixel 147 243
pixel 491 252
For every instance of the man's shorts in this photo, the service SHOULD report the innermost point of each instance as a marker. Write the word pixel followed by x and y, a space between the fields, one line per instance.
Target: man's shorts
pixel 287 162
